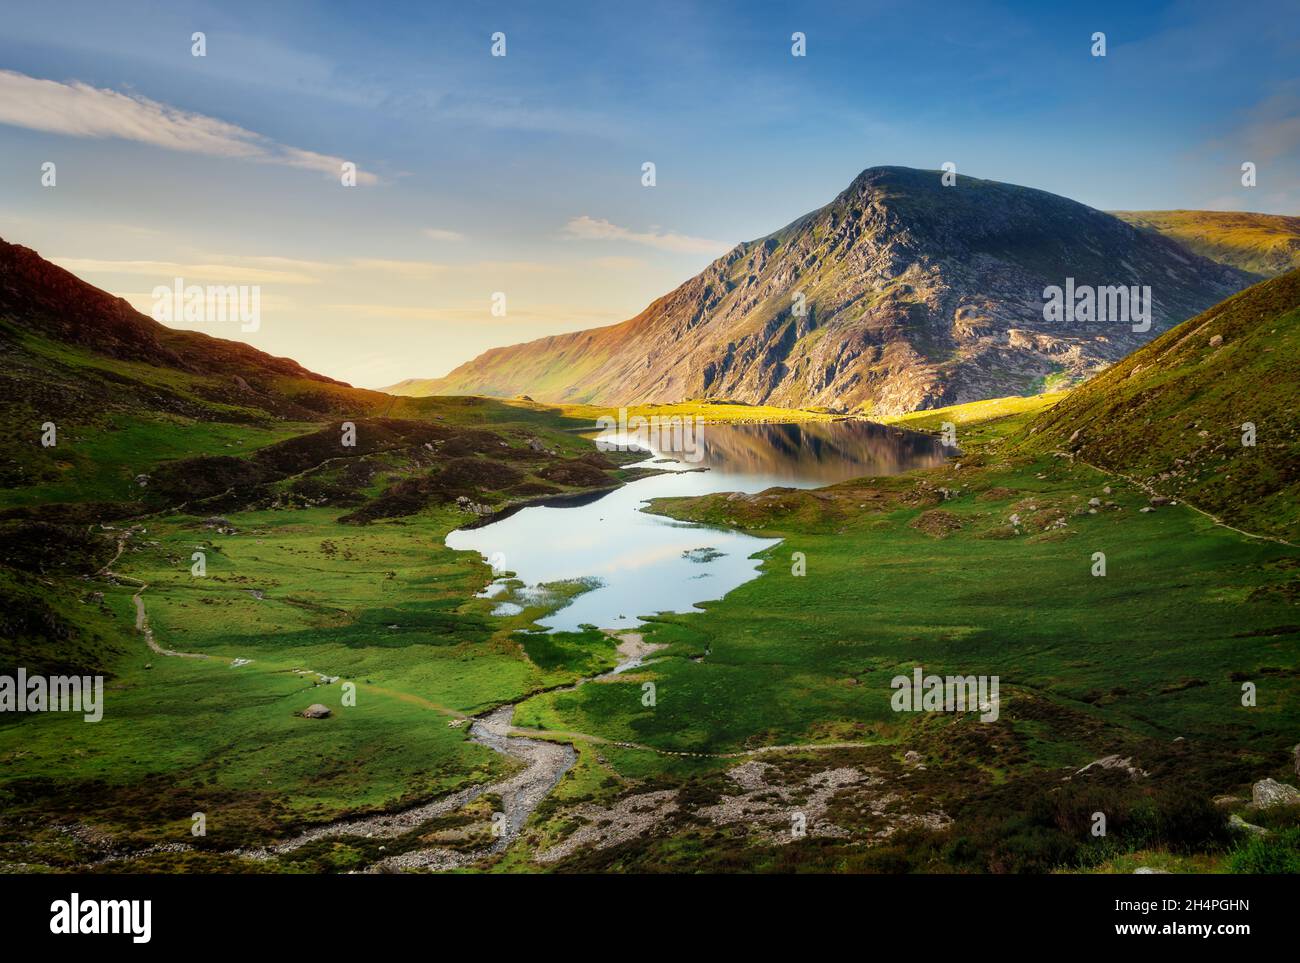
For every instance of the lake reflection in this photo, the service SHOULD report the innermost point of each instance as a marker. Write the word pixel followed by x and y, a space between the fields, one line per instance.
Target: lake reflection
pixel 814 454
pixel 643 564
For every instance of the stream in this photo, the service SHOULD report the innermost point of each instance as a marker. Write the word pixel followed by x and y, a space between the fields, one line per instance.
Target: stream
pixel 635 564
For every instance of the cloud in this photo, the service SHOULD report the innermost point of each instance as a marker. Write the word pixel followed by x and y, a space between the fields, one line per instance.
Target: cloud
pixel 439 234
pixel 586 228
pixel 406 269
pixel 462 313
pixel 427 269
pixel 1272 130
pixel 269 270
pixel 76 109
pixel 617 263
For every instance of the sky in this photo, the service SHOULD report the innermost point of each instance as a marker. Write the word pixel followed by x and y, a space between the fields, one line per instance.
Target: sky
pixel 522 175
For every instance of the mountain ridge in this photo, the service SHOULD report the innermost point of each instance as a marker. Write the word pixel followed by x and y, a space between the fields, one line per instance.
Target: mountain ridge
pixel 917 295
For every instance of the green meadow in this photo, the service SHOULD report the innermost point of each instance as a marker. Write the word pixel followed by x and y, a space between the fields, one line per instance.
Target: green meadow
pixel 1158 646
pixel 983 567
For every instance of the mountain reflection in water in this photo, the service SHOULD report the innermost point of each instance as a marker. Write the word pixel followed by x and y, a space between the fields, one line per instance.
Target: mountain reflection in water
pixel 816 453
pixel 640 564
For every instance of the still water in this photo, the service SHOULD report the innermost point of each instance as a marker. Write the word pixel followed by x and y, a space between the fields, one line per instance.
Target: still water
pixel 640 564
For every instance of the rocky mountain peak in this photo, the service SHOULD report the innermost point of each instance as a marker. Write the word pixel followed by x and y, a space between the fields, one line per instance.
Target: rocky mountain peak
pixel 901 293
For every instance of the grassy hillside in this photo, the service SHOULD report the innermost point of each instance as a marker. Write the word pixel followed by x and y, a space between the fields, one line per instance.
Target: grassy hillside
pixel 324 565
pixel 952 570
pixel 1264 244
pixel 1171 414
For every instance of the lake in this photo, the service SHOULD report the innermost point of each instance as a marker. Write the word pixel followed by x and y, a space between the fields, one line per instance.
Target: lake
pixel 641 564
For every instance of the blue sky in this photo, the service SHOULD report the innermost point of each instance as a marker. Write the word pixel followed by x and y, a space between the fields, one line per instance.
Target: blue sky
pixel 522 174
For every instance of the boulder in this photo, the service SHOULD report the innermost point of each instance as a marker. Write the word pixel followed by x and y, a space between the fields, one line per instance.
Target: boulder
pixel 316 711
pixel 1268 793
pixel 1115 762
pixel 1239 825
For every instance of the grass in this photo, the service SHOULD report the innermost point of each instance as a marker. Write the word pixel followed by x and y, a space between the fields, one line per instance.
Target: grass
pixel 897 577
pixel 383 606
pixel 1174 414
pixel 805 659
pixel 1265 244
pixel 1147 661
pixel 995 413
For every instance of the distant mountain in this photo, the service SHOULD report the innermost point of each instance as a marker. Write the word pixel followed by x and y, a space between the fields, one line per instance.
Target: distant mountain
pixel 917 295
pixel 1172 414
pixel 1263 244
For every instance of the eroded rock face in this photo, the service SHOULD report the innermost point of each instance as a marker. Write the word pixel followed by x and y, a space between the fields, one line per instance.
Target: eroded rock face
pixel 914 295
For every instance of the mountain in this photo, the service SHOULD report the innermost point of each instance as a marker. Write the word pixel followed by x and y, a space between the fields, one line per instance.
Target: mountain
pixel 148 417
pixel 1171 415
pixel 151 422
pixel 50 320
pixel 1263 244
pixel 917 295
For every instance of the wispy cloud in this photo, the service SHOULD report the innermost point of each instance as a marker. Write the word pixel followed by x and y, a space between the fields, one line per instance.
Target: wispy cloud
pixel 441 234
pixel 266 270
pixel 406 269
pixel 76 109
pixel 586 228
pixel 1272 127
pixel 617 263
pixel 461 313
pixel 427 269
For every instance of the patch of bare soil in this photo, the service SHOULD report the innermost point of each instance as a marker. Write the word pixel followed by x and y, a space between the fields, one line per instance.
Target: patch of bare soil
pixel 936 523
pixel 632 648
pixel 998 494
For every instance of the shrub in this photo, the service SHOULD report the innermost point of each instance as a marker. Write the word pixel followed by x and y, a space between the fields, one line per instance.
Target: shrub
pixel 1275 853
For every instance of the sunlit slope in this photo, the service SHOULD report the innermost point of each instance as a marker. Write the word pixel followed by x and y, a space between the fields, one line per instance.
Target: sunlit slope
pixel 1174 414
pixel 1264 244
